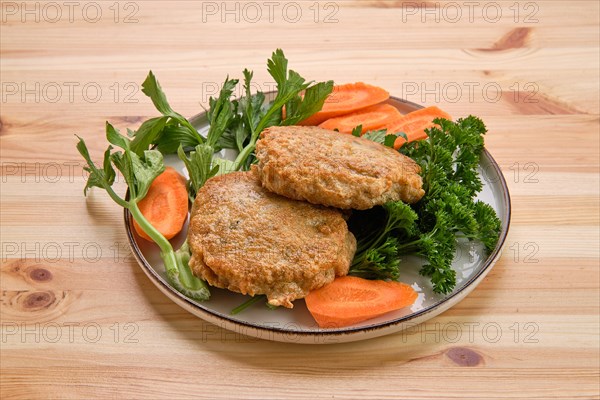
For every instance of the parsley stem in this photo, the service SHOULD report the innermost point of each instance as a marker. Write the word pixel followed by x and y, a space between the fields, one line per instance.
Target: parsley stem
pixel 156 236
pixel 166 250
pixel 116 197
pixel 409 244
pixel 178 271
pixel 246 304
pixel 244 154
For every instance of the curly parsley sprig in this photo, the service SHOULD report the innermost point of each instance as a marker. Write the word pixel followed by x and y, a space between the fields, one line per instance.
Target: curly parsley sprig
pixel 449 160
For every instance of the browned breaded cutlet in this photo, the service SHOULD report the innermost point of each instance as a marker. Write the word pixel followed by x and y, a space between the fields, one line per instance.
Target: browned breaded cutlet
pixel 334 169
pixel 249 240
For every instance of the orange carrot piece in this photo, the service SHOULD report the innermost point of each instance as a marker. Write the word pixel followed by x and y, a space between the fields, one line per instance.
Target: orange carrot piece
pixel 371 118
pixel 414 124
pixel 166 204
pixel 349 300
pixel 412 134
pixel 346 99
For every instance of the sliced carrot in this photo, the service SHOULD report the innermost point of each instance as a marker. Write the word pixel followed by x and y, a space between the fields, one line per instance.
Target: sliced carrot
pixel 371 118
pixel 166 204
pixel 346 99
pixel 349 300
pixel 414 124
pixel 412 134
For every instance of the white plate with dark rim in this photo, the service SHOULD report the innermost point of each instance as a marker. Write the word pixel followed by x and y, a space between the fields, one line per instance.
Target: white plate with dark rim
pixel 296 325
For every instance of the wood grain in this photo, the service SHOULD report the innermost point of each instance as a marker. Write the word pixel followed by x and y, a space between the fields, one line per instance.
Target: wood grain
pixel 79 319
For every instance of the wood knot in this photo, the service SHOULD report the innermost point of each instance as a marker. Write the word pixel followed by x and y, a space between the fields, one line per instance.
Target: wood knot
pixel 16 266
pixel 38 300
pixel 464 357
pixel 515 39
pixel 46 305
pixel 532 102
pixel 40 274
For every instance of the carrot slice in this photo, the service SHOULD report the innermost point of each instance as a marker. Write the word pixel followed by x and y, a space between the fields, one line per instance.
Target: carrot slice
pixel 166 204
pixel 346 99
pixel 414 124
pixel 370 118
pixel 349 300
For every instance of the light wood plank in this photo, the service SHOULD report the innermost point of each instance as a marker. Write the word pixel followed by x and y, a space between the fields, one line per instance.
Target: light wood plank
pixel 66 272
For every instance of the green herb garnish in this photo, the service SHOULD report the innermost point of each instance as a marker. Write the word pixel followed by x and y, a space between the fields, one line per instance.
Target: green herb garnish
pixel 233 124
pixel 139 172
pixel 449 159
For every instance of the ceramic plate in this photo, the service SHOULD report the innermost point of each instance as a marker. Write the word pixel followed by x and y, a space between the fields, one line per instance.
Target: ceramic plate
pixel 296 325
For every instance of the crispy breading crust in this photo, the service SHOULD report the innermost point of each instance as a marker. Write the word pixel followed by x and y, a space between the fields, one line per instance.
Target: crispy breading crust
pixel 334 169
pixel 248 240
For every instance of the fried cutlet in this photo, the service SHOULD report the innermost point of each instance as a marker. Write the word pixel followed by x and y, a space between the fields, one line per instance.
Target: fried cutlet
pixel 249 240
pixel 334 169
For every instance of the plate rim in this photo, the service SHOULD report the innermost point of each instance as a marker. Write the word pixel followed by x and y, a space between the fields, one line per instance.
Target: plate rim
pixel 455 296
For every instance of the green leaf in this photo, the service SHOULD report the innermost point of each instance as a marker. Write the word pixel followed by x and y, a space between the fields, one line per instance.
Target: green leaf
pixel 223 166
pixel 152 89
pixel 114 137
pixel 389 140
pixel 289 86
pixel 145 170
pixel 241 136
pixel 439 247
pixel 377 136
pixel 150 132
pixel 381 262
pixel 357 131
pixel 378 252
pixel 97 177
pixel 228 139
pixel 250 105
pixel 101 178
pixel 220 114
pixel 277 67
pixel 400 216
pixel 174 135
pixel 139 172
pixel 122 160
pixel 199 167
pixel 489 225
pixel 314 97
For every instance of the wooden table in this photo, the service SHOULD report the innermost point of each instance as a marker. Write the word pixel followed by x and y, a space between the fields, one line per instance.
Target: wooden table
pixel 80 319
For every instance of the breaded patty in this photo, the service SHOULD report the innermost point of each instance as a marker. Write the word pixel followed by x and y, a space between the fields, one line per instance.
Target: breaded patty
pixel 249 240
pixel 334 169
